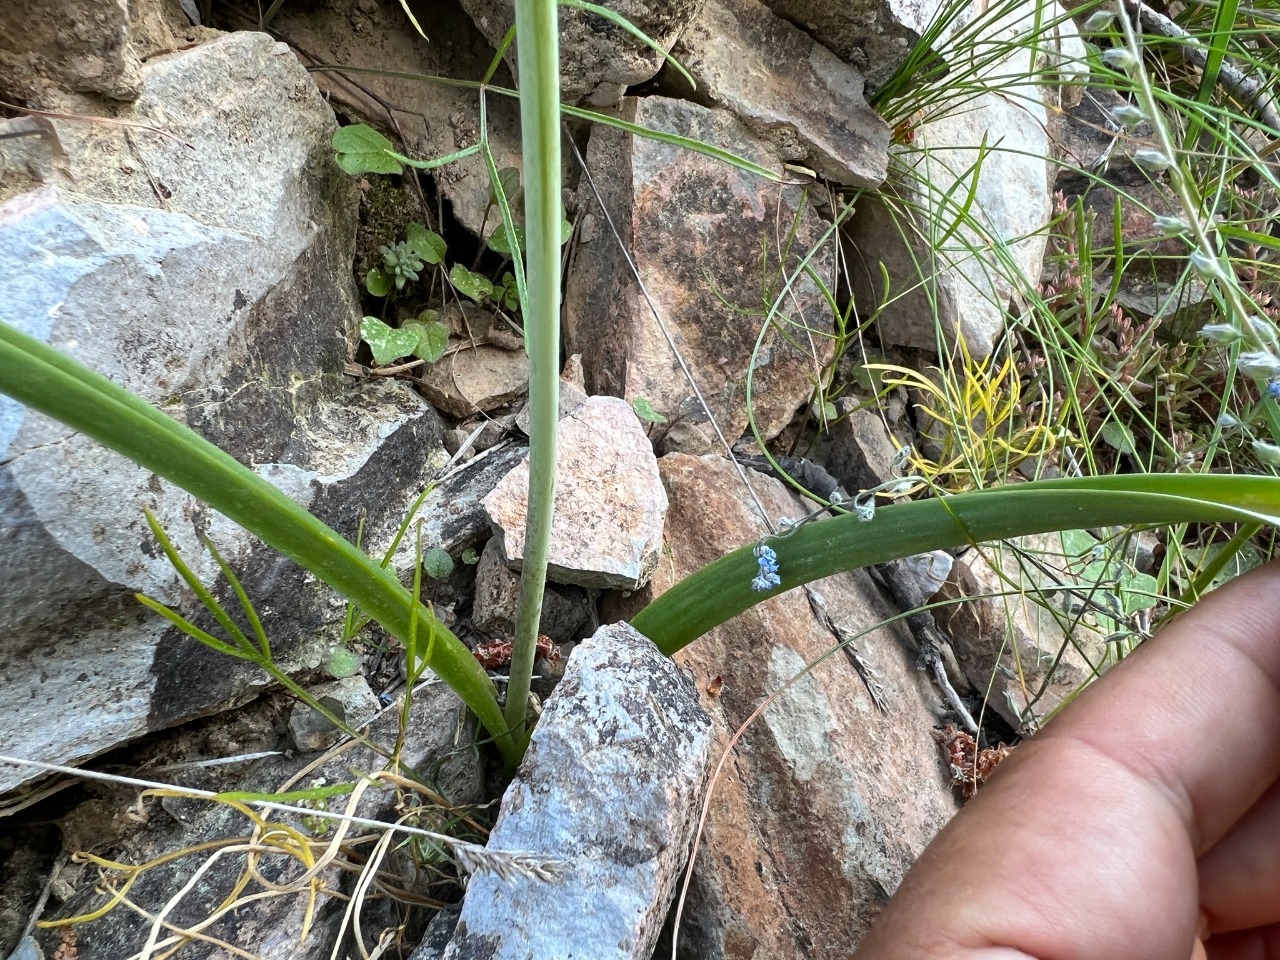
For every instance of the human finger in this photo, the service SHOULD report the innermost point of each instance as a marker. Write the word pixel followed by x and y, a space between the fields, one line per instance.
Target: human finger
pixel 1084 843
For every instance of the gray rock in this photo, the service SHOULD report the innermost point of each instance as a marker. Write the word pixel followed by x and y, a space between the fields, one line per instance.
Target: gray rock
pixel 84 47
pixel 699 231
pixel 860 453
pixel 607 529
pixel 611 786
pixel 497 595
pixel 825 802
pixel 598 60
pixel 873 35
pixel 453 515
pixel 966 283
pixel 788 89
pixel 919 577
pixel 349 699
pixel 475 379
pixel 209 271
pixel 271 926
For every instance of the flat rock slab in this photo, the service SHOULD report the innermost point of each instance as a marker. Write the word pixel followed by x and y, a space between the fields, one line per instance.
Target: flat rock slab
pixel 475 379
pixel 607 530
pixel 705 237
pixel 611 786
pixel 825 802
pixel 789 89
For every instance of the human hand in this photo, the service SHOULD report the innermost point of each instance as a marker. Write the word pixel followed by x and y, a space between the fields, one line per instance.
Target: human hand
pixel 1143 821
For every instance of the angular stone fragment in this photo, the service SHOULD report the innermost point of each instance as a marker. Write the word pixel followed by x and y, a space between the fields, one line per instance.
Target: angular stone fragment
pixel 609 507
pixel 598 60
pixel 348 699
pixel 610 787
pixel 963 262
pixel 705 238
pixel 498 593
pixel 209 271
pixel 475 379
pixel 787 88
pixel 825 802
pixel 873 35
pixel 81 46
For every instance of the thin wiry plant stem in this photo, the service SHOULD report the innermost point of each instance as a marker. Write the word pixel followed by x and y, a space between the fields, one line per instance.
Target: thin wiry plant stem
pixel 537 48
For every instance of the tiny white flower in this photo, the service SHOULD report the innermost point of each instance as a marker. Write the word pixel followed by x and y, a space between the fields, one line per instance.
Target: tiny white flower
pixel 1228 422
pixel 1152 160
pixel 1098 21
pixel 1209 268
pixel 1259 363
pixel 1220 332
pixel 1119 58
pixel 1268 453
pixel 1171 226
pixel 1128 115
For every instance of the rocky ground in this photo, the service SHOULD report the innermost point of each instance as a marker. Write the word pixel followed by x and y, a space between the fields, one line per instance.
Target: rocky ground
pixel 171 214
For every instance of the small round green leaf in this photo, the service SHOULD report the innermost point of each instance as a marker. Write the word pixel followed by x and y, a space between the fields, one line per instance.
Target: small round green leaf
pixel 499 242
pixel 433 337
pixel 343 662
pixel 361 149
pixel 437 563
pixel 378 282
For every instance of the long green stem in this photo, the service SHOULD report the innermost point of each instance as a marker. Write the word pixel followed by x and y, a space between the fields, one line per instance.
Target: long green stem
pixel 537 49
pixel 722 589
pixel 59 387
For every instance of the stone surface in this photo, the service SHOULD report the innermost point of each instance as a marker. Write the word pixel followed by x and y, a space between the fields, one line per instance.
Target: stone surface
pixel 432 120
pixel 95 46
pixel 860 453
pixel 788 89
pixel 475 379
pixel 824 803
pixel 609 506
pixel 1010 646
pixel 699 231
pixel 348 699
pixel 598 60
pixel 208 270
pixel 965 277
pixel 611 786
pixel 271 926
pixel 873 35
pixel 498 593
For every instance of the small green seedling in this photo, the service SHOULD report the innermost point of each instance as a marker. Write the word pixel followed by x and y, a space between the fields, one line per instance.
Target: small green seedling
pixel 361 149
pixel 644 410
pixel 424 338
pixel 437 564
